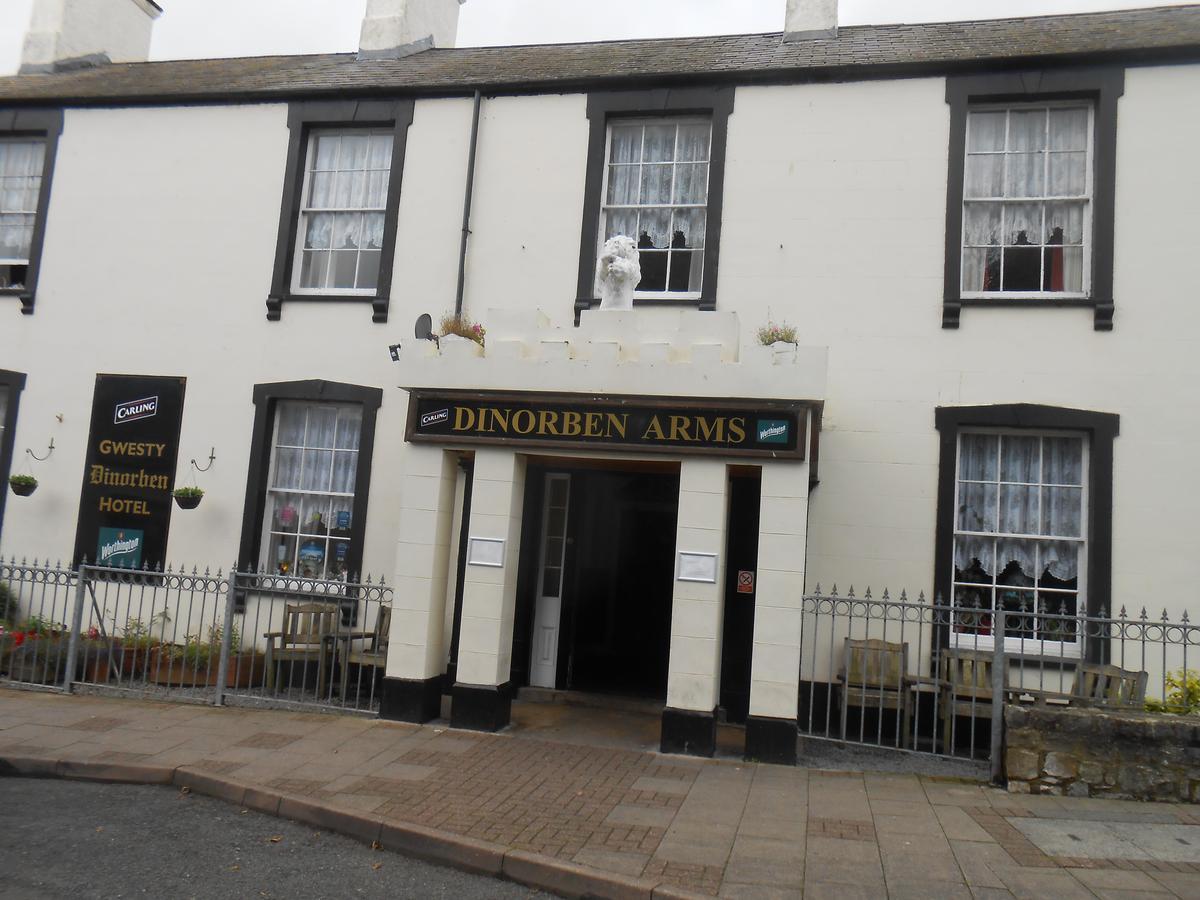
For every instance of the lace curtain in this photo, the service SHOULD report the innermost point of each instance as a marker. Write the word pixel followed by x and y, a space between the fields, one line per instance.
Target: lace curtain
pixel 1017 485
pixel 20 185
pixel 657 191
pixel 343 215
pixel 1012 239
pixel 312 488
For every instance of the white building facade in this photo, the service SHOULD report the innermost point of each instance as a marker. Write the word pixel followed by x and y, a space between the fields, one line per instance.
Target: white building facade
pixel 981 236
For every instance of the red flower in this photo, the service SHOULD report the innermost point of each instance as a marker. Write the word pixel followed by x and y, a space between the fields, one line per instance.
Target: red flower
pixel 18 638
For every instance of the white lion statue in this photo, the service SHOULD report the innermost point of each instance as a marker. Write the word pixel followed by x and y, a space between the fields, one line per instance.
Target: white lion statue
pixel 618 272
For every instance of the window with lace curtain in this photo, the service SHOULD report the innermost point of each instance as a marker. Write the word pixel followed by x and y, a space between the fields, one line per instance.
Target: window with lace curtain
pixel 656 192
pixel 21 162
pixel 1020 538
pixel 339 241
pixel 1027 201
pixel 308 528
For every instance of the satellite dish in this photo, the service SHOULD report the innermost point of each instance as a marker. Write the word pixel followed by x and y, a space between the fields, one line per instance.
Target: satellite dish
pixel 424 329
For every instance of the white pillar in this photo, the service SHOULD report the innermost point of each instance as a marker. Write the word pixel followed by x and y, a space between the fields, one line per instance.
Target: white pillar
pixel 422 554
pixel 697 608
pixel 490 592
pixel 779 592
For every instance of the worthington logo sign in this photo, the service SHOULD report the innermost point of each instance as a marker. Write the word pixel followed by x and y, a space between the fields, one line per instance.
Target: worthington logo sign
pixel 120 547
pixel 772 431
pixel 133 410
pixel 771 428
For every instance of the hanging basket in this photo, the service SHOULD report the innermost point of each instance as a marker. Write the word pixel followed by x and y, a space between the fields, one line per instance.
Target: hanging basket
pixel 188 501
pixel 22 487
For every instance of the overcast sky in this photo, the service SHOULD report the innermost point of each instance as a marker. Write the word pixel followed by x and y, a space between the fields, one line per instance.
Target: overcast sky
pixel 205 28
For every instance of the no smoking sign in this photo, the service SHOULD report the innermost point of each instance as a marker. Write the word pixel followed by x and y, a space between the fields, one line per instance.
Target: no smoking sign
pixel 745 582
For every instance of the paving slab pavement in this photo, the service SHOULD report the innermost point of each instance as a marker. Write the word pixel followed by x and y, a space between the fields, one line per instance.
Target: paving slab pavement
pixel 608 821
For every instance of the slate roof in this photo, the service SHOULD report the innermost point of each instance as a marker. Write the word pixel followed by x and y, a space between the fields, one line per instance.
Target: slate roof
pixel 861 51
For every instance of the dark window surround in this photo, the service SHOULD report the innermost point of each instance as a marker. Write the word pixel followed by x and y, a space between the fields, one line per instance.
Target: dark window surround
pixel 1103 86
pixel 604 106
pixel 1101 429
pixel 303 118
pixel 38 123
pixel 266 400
pixel 15 383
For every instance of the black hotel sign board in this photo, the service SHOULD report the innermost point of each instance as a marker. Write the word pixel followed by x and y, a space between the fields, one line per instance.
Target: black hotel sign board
pixel 763 428
pixel 133 446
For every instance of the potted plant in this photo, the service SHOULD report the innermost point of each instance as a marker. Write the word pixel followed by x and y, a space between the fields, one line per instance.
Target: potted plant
pixel 137 643
pixel 39 652
pixel 188 497
pixel 98 656
pixel 22 485
pixel 780 340
pixel 195 663
pixel 461 336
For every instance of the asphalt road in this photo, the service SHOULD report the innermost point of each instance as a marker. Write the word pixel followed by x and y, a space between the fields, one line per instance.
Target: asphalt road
pixel 70 839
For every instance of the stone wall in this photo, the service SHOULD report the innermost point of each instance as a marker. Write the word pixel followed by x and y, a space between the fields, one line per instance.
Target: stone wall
pixel 1102 753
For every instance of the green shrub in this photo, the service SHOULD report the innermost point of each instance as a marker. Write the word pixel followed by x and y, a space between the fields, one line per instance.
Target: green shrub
pixel 1183 694
pixel 10 606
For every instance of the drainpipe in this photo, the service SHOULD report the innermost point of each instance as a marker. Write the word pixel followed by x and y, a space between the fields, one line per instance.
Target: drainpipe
pixel 466 224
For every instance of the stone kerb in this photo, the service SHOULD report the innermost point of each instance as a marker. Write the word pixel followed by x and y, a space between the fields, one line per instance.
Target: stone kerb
pixel 666 353
pixel 1122 754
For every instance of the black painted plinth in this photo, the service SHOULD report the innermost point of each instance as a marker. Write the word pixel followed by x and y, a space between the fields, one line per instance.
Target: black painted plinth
pixel 689 732
pixel 480 708
pixel 771 740
pixel 410 699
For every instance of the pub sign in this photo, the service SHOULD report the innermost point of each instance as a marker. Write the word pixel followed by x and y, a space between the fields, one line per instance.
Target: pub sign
pixel 770 428
pixel 129 473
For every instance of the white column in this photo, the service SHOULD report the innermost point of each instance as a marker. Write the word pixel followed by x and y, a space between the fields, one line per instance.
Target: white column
pixel 697 608
pixel 783 527
pixel 415 645
pixel 490 592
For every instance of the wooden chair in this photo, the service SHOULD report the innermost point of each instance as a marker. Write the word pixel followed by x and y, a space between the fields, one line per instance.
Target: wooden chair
pixel 965 688
pixel 373 654
pixel 1108 686
pixel 307 630
pixel 874 676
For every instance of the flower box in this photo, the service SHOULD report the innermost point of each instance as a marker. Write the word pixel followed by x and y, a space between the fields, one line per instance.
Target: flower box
pixel 167 666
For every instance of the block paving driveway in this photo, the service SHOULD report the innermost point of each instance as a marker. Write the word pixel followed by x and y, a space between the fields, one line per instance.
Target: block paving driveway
pixel 713 827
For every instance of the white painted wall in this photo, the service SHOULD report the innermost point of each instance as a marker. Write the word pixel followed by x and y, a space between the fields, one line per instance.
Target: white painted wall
pixel 161 238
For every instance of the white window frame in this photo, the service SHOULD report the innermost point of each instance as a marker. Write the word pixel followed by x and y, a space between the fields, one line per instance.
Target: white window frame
pixel 1088 200
pixel 605 206
pixel 267 558
pixel 1030 645
pixel 310 156
pixel 40 142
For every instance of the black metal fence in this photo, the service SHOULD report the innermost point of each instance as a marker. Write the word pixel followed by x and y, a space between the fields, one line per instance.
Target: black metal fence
pixel 931 677
pixel 243 637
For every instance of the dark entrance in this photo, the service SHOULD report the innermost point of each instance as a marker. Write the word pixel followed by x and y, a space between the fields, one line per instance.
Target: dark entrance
pixel 741 581
pixel 617 577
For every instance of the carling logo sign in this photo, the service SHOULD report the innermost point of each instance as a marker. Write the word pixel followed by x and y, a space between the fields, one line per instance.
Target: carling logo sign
pixel 432 418
pixel 132 410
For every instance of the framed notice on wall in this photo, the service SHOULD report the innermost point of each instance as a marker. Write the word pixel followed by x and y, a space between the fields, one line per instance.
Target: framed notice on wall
pixel 129 473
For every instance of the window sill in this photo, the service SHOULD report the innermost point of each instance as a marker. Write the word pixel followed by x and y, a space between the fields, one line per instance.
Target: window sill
pixel 378 303
pixel 705 304
pixel 951 309
pixel 24 295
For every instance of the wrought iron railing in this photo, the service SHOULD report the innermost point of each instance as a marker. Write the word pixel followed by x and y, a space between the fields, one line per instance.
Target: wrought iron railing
pixel 245 637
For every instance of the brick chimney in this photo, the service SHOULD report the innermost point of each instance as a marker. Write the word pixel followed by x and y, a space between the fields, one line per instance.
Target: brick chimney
pixel 395 28
pixel 810 19
pixel 66 34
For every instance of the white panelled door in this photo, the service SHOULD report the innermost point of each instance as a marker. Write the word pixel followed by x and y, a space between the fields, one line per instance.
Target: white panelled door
pixel 552 555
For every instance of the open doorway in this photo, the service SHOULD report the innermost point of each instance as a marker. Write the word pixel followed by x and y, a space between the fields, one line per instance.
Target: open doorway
pixel 597 577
